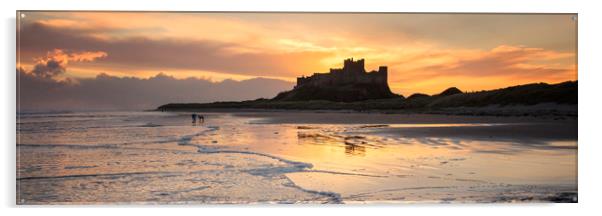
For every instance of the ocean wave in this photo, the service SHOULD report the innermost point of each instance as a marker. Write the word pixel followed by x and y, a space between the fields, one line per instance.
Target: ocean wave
pixel 300 165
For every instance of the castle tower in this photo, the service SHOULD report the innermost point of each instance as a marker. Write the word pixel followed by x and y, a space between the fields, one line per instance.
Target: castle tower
pixel 354 67
pixel 382 72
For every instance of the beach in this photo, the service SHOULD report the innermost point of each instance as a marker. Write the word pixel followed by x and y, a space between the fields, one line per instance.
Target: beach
pixel 293 157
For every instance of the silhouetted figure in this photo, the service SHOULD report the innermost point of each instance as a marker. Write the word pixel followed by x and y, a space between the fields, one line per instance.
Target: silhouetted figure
pixel 201 118
pixel 194 118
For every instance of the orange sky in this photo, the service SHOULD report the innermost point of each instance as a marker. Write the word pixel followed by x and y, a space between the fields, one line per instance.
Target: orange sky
pixel 425 52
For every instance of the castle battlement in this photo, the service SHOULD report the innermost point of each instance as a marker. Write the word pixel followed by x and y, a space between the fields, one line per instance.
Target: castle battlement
pixel 353 72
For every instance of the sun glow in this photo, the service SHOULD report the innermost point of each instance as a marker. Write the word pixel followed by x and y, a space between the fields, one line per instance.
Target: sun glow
pixel 421 56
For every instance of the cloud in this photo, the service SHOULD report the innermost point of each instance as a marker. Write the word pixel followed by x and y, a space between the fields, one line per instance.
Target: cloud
pixel 110 92
pixel 38 89
pixel 422 55
pixel 146 53
pixel 86 56
pixel 503 60
pixel 515 61
pixel 55 62
pixel 498 67
pixel 48 69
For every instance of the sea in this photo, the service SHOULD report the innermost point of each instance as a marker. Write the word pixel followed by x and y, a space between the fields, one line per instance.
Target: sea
pixel 139 157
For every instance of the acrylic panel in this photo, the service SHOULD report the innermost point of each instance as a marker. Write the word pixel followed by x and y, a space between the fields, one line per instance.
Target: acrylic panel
pixel 274 108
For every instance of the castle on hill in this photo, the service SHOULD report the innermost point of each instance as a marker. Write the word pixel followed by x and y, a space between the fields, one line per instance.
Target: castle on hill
pixel 353 72
pixel 350 83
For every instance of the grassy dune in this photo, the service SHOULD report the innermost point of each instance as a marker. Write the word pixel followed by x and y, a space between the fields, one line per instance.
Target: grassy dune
pixel 529 99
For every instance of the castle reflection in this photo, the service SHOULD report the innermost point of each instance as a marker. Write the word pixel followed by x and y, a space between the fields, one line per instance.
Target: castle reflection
pixel 350 148
pixel 354 149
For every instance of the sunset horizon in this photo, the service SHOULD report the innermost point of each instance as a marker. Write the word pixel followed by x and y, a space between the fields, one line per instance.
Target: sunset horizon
pixel 425 53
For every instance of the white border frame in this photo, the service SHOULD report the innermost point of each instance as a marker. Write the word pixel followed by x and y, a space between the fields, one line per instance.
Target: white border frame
pixel 589 100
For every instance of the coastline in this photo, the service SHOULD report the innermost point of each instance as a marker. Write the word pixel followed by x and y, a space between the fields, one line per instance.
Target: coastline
pixel 547 110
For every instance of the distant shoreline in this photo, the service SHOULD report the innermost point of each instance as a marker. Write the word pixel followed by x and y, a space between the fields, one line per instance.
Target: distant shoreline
pixel 550 110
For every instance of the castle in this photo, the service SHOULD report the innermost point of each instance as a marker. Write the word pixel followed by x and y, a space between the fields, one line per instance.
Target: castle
pixel 347 84
pixel 353 72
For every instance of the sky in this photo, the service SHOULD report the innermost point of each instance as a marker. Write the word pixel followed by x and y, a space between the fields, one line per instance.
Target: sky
pixel 61 52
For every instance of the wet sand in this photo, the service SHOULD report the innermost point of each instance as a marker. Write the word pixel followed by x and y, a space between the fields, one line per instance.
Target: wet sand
pixel 514 128
pixel 295 157
pixel 334 117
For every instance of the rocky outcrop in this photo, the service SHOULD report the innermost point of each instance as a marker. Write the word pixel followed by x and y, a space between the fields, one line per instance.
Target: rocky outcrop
pixel 347 84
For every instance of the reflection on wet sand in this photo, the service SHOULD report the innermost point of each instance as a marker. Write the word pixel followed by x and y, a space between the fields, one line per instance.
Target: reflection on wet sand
pixel 231 159
pixel 355 150
pixel 352 145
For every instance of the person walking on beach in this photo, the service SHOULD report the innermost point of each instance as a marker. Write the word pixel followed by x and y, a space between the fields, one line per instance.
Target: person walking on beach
pixel 201 118
pixel 194 118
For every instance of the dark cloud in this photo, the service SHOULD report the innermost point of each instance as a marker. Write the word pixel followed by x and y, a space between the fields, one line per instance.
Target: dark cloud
pixel 41 88
pixel 162 54
pixel 48 69
pixel 109 92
